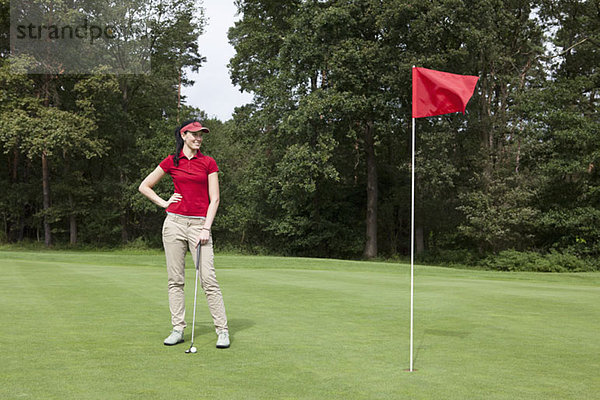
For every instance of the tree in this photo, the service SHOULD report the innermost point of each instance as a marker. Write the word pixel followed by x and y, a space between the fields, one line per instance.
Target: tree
pixel 565 109
pixel 501 42
pixel 97 112
pixel 41 132
pixel 331 69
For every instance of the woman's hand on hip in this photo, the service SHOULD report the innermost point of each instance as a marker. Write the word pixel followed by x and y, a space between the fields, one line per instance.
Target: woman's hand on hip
pixel 173 199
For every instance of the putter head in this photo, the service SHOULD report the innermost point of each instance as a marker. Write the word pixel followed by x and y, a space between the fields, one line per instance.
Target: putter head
pixel 192 349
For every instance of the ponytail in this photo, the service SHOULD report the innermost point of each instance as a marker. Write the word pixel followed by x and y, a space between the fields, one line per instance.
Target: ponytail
pixel 179 141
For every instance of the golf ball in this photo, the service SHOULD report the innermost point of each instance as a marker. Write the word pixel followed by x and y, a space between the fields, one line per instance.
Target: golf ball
pixel 193 350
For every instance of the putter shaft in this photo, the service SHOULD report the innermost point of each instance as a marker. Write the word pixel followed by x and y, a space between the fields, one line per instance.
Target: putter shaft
pixel 198 254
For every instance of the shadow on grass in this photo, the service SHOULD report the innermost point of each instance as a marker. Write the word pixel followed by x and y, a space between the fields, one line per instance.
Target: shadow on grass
pixel 421 344
pixel 235 325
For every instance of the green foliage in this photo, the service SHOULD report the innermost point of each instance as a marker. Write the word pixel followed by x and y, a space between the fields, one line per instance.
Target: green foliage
pixel 328 130
pixel 575 229
pixel 460 258
pixel 87 128
pixel 510 260
pixel 500 217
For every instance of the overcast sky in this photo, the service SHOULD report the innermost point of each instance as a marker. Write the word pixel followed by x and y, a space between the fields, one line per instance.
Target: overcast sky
pixel 213 91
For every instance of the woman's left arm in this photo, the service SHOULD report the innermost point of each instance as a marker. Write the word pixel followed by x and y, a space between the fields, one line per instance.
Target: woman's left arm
pixel 213 197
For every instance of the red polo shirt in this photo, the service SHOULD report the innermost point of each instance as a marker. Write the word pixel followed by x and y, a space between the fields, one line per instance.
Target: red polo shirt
pixel 190 179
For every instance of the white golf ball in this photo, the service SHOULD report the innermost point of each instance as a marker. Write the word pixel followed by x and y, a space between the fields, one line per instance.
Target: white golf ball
pixel 193 350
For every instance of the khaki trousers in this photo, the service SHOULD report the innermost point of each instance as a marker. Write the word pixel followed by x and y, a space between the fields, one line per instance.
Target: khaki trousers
pixel 179 234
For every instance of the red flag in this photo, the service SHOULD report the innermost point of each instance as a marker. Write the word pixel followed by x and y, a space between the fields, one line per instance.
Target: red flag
pixel 435 92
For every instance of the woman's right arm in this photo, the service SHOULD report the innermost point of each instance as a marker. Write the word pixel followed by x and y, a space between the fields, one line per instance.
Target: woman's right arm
pixel 147 185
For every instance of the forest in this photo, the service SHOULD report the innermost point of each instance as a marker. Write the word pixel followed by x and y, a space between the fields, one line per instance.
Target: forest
pixel 319 163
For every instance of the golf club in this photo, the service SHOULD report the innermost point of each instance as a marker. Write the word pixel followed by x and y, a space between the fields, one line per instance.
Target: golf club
pixel 192 349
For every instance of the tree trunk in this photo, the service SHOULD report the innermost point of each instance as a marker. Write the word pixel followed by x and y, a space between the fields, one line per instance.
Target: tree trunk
pixel 45 174
pixel 179 96
pixel 21 230
pixel 124 215
pixel 15 164
pixel 122 178
pixel 72 223
pixel 419 241
pixel 371 244
pixel 73 229
pixel 124 233
pixel 46 199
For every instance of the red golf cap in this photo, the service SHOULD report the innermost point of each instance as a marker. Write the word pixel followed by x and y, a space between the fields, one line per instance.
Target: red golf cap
pixel 194 127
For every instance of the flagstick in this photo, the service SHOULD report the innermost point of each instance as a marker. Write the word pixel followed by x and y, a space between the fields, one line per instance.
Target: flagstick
pixel 441 84
pixel 412 241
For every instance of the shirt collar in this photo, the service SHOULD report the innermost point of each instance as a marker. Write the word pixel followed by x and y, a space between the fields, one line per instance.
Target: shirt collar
pixel 183 157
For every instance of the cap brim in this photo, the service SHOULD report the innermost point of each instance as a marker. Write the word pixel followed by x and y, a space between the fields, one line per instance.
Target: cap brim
pixel 203 129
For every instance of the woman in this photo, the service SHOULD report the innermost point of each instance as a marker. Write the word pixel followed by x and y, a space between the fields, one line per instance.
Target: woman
pixel 190 213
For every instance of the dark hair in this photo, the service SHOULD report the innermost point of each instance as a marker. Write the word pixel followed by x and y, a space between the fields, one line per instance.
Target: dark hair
pixel 179 140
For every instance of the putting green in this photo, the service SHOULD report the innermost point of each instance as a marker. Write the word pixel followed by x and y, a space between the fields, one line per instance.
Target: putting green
pixel 83 325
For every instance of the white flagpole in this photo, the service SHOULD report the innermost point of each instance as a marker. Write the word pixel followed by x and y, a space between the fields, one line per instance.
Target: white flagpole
pixel 412 232
pixel 412 241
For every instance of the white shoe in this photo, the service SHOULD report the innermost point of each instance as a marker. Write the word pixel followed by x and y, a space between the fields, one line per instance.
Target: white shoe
pixel 223 340
pixel 174 338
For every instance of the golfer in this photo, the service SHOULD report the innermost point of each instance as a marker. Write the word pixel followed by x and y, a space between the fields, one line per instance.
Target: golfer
pixel 190 214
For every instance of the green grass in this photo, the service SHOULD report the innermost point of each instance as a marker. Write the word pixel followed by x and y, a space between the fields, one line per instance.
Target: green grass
pixel 90 325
